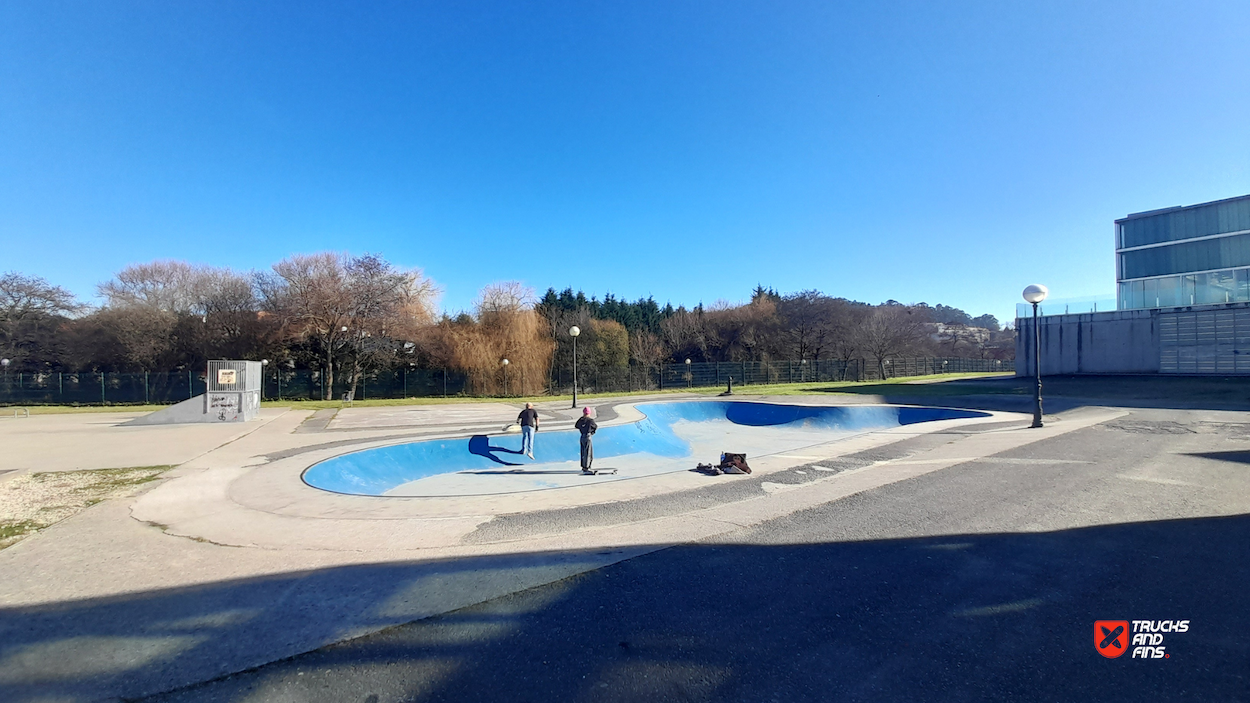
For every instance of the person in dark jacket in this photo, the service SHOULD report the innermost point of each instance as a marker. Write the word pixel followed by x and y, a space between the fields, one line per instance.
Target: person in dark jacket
pixel 528 420
pixel 587 427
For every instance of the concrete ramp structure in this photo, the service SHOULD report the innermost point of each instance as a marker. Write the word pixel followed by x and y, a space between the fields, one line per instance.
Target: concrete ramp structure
pixel 233 396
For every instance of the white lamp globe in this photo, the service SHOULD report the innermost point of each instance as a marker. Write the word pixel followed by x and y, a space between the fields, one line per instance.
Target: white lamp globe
pixel 1036 293
pixel 574 331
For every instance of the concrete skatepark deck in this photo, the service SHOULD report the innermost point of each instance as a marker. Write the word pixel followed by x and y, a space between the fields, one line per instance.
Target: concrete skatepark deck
pixel 248 516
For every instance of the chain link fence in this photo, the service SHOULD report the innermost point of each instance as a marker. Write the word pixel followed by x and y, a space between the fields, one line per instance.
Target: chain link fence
pixel 295 384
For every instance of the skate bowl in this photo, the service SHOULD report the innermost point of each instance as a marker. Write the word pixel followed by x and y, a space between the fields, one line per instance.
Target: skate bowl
pixel 672 437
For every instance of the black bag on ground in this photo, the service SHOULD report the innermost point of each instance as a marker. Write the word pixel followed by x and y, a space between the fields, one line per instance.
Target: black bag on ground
pixel 734 463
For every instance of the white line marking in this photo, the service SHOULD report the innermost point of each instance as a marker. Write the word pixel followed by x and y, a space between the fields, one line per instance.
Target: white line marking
pixel 1164 481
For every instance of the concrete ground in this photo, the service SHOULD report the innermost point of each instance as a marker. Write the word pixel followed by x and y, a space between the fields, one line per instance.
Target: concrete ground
pixel 968 562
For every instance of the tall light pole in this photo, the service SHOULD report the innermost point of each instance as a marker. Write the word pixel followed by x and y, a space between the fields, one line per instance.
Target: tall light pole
pixel 1035 294
pixel 689 378
pixel 263 364
pixel 5 363
pixel 573 332
pixel 505 377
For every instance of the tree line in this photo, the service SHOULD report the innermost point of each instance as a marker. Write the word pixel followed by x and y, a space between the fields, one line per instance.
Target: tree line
pixel 348 316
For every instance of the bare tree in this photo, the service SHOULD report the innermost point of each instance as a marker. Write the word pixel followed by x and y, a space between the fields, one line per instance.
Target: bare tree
pixel 31 310
pixel 171 313
pixel 890 331
pixel 169 286
pixel 807 318
pixel 338 302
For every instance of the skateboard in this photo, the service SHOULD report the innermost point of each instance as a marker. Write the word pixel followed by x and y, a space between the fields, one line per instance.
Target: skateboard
pixel 596 472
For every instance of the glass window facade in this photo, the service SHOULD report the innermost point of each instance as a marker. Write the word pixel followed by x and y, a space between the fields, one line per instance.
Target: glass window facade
pixel 1227 286
pixel 1198 255
pixel 1186 223
pixel 1203 255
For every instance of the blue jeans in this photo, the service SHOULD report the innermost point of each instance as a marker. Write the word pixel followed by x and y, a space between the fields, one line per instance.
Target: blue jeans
pixel 527 439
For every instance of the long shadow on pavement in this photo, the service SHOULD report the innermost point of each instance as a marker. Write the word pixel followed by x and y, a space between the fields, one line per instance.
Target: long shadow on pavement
pixel 960 617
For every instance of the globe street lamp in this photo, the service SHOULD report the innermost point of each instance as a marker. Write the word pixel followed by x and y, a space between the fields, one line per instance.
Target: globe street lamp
pixel 5 363
pixel 573 332
pixel 689 378
pixel 505 377
pixel 263 364
pixel 1035 294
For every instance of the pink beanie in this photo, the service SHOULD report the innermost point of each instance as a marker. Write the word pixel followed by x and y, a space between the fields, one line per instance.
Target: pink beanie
pixel 585 411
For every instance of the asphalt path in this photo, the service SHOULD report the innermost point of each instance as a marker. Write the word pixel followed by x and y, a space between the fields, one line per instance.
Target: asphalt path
pixel 981 581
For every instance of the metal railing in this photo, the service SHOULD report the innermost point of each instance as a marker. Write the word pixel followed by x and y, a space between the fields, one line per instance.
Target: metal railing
pixel 133 388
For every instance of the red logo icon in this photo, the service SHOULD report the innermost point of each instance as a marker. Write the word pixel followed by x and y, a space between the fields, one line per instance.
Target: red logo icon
pixel 1111 637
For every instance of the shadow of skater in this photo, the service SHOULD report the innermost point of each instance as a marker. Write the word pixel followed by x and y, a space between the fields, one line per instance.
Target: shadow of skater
pixel 479 444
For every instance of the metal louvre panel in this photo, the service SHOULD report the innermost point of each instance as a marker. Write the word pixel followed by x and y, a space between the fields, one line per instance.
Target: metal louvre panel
pixel 1205 359
pixel 1225 327
pixel 1186 328
pixel 1204 328
pixel 1186 360
pixel 1168 329
pixel 1169 360
pixel 1241 338
pixel 1226 359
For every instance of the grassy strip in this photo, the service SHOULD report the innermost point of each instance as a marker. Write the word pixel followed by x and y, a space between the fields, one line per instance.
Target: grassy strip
pixel 35 501
pixel 757 389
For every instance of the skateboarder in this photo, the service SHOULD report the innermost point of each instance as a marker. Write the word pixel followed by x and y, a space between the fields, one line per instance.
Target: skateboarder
pixel 528 420
pixel 587 427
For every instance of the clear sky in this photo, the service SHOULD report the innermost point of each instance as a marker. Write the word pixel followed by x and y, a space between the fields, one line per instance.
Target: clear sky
pixel 946 152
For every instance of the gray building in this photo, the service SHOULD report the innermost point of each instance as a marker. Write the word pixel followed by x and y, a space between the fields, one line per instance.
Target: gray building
pixel 1183 293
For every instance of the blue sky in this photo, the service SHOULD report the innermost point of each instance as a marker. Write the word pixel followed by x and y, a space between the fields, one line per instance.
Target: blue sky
pixel 942 152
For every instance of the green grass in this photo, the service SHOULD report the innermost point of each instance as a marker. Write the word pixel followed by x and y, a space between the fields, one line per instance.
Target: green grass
pixel 108 480
pixel 757 389
pixel 13 530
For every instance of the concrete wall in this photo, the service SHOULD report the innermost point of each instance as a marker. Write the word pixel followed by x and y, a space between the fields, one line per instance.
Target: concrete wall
pixel 1122 341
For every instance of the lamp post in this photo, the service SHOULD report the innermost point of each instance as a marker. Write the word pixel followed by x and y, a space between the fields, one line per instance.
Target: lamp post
pixel 505 377
pixel 689 378
pixel 1035 294
pixel 573 332
pixel 263 364
pixel 5 363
